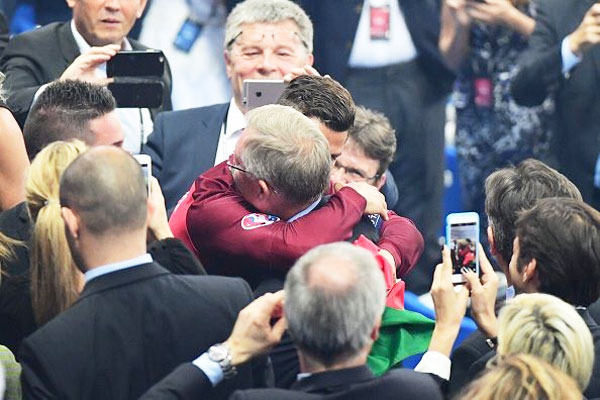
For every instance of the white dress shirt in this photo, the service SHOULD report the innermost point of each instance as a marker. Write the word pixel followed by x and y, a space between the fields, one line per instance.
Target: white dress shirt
pixel 398 48
pixel 113 267
pixel 231 131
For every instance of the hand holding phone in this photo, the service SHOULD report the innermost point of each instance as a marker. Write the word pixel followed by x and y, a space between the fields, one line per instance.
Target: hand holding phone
pixel 146 163
pixel 462 238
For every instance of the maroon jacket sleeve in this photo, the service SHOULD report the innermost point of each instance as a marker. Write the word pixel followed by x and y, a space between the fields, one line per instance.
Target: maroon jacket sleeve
pixel 402 239
pixel 214 222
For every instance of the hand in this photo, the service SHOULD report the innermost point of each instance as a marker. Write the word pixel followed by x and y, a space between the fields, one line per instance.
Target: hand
pixel 158 223
pixel 450 305
pixel 483 295
pixel 458 11
pixel 296 72
pixel 492 12
pixel 587 33
pixel 253 334
pixel 375 199
pixel 84 66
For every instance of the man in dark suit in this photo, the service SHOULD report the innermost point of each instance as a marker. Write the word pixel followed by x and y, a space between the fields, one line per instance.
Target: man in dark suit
pixel 387 56
pixel 134 321
pixel 555 252
pixel 508 192
pixel 334 296
pixel 78 50
pixel 264 39
pixel 562 60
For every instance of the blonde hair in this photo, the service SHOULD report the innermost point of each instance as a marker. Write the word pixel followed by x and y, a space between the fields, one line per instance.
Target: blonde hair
pixel 522 377
pixel 547 327
pixel 54 276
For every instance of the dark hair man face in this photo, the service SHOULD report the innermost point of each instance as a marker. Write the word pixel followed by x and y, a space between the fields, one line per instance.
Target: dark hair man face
pixel 72 110
pixel 327 103
pixel 557 251
pixel 103 22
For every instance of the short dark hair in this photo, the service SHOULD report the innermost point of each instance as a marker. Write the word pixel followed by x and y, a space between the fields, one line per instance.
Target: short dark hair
pixel 63 111
pixel 563 236
pixel 322 98
pixel 375 136
pixel 106 187
pixel 513 189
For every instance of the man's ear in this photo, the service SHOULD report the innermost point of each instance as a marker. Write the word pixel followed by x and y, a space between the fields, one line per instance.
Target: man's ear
pixel 72 221
pixel 264 191
pixel 492 241
pixel 71 3
pixel 375 332
pixel 228 64
pixel 529 272
pixel 141 8
pixel 381 181
pixel 310 59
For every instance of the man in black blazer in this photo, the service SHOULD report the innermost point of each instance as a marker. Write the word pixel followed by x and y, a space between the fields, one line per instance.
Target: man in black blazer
pixel 79 50
pixel 562 60
pixel 134 321
pixel 395 68
pixel 334 296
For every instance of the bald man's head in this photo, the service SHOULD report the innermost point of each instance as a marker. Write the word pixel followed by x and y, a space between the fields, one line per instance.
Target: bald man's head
pixel 106 187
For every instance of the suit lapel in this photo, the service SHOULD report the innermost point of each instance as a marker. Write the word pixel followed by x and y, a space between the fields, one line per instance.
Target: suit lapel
pixel 334 381
pixel 122 277
pixel 206 135
pixel 66 43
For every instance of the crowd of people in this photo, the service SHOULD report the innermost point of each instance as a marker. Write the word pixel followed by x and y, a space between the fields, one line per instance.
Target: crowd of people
pixel 268 254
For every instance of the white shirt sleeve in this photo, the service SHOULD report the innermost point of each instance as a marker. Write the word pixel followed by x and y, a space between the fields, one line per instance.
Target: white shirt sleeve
pixel 569 59
pixel 435 363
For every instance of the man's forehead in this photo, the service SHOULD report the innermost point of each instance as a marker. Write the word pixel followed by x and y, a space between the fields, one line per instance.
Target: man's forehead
pixel 265 33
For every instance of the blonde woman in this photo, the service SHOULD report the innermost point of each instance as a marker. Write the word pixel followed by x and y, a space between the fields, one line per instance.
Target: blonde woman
pixel 522 377
pixel 547 327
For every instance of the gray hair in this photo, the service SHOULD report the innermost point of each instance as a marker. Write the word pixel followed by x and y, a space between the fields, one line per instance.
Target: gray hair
pixel 268 11
pixel 287 150
pixel 331 319
pixel 373 133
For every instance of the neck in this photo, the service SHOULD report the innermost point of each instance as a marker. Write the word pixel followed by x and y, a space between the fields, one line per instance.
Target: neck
pixel 310 365
pixel 109 249
pixel 286 212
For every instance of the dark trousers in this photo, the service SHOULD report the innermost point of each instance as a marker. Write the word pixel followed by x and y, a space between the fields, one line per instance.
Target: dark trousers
pixel 416 110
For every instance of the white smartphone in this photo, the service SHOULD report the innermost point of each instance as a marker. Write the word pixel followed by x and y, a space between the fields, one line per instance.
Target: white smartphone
pixel 462 237
pixel 260 92
pixel 146 163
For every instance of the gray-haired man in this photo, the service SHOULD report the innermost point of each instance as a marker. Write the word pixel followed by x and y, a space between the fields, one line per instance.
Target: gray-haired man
pixel 264 39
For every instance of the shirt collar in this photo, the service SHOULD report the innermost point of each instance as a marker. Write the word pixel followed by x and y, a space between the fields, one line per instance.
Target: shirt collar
pixel 235 119
pixel 305 211
pixel 84 46
pixel 113 267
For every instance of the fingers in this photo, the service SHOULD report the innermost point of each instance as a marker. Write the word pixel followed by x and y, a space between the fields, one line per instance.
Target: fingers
pixel 484 263
pixel 437 277
pixel 309 70
pixel 278 329
pixel 446 258
pixel 471 278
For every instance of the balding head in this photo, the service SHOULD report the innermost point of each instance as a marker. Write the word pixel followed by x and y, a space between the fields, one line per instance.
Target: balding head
pixel 334 298
pixel 106 188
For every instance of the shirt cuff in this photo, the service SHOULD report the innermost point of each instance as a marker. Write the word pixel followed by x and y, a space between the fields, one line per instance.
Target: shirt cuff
pixel 569 59
pixel 435 363
pixel 210 368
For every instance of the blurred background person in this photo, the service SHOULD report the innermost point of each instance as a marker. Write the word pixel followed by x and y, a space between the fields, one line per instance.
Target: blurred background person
pixel 481 41
pixel 522 377
pixel 191 34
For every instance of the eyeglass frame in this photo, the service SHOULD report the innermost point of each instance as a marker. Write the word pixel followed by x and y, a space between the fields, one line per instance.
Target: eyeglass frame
pixel 355 171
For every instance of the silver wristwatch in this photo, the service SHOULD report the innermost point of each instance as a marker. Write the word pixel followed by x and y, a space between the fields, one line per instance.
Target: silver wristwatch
pixel 220 354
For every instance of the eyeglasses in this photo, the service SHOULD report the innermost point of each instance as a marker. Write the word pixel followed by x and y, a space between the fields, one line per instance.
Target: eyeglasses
pixel 231 164
pixel 355 174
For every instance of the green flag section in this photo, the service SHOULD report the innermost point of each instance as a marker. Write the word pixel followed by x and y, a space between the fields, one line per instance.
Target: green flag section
pixel 403 334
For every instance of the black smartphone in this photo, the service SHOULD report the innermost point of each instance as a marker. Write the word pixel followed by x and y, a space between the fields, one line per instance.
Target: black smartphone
pixel 137 93
pixel 136 63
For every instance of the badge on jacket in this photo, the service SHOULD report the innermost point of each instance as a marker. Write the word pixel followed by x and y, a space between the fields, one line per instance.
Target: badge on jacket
pixel 253 221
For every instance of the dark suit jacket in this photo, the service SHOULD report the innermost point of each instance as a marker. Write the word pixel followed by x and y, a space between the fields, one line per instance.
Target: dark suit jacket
pixel 182 146
pixel 35 58
pixel 128 330
pixel 188 382
pixel 577 96
pixel 593 389
pixel 335 24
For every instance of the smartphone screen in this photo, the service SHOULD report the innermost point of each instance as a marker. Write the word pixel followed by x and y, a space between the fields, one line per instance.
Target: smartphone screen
pixel 462 231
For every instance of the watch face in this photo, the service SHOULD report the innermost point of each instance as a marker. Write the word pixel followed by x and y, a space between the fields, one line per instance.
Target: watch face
pixel 217 353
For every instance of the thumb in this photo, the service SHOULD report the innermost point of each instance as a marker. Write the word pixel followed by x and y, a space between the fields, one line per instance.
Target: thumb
pixel 278 329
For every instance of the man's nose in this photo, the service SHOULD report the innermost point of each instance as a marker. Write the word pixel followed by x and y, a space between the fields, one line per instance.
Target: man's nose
pixel 113 5
pixel 268 63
